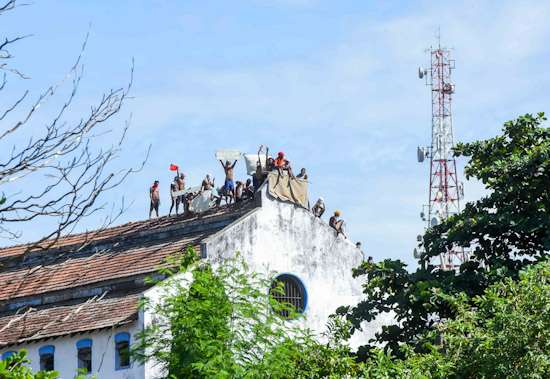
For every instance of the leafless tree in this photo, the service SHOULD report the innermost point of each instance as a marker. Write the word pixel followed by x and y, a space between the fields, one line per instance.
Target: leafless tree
pixel 65 161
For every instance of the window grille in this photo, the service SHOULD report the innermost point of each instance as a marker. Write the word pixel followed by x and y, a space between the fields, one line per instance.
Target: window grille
pixel 84 354
pixel 293 294
pixel 46 358
pixel 122 351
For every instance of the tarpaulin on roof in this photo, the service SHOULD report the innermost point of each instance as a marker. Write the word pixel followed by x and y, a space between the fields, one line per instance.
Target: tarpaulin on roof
pixel 284 188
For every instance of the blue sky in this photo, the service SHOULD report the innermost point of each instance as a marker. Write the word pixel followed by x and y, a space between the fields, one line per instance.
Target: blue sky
pixel 332 83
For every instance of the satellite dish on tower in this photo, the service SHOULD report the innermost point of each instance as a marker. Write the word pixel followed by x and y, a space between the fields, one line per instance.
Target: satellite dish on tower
pixel 420 154
pixel 422 72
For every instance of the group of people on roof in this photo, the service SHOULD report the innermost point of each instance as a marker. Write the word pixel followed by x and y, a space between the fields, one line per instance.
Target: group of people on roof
pixel 231 192
pixel 235 191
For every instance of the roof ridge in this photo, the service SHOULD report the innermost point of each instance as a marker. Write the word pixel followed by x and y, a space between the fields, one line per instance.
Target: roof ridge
pixel 126 228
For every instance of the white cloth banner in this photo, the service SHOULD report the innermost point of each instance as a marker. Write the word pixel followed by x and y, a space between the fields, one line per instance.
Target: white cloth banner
pixel 228 155
pixel 201 203
pixel 251 160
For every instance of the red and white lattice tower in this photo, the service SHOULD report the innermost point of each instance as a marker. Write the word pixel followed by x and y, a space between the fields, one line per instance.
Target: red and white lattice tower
pixel 445 190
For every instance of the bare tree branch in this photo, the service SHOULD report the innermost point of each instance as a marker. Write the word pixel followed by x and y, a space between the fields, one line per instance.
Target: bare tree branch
pixel 64 157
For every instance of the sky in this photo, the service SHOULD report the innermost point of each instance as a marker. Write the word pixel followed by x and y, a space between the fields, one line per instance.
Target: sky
pixel 332 83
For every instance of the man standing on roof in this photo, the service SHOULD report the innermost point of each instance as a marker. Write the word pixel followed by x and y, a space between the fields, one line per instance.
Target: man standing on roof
pixel 180 184
pixel 154 196
pixel 175 199
pixel 229 185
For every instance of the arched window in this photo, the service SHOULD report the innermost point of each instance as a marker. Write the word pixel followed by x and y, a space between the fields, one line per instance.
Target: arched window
pixel 46 357
pixel 122 350
pixel 84 354
pixel 7 354
pixel 289 290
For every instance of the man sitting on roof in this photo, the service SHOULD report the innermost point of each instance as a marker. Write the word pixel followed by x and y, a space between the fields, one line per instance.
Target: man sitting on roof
pixel 283 164
pixel 319 208
pixel 303 174
pixel 337 224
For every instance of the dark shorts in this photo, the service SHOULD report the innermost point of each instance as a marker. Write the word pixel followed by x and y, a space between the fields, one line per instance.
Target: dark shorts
pixel 229 185
pixel 154 205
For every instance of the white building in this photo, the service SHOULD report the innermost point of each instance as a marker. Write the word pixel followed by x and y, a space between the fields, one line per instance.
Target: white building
pixel 76 303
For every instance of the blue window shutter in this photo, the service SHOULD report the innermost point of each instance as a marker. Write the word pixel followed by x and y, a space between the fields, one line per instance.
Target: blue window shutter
pixel 7 354
pixel 48 349
pixel 122 351
pixel 122 337
pixel 87 342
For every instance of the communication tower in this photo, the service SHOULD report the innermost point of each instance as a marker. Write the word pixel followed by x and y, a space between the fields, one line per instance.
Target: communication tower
pixel 445 190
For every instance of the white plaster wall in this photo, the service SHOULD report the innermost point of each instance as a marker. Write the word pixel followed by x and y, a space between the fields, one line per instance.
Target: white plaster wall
pixel 152 369
pixel 284 238
pixel 103 354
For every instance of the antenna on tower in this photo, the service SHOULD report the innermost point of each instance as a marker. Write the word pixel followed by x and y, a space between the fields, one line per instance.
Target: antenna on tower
pixel 445 190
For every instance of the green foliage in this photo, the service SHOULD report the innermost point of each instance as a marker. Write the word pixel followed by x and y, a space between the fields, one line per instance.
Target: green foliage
pixel 507 230
pixel 505 334
pixel 222 323
pixel 15 367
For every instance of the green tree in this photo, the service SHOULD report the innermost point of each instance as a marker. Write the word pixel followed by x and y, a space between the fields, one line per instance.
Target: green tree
pixel 505 231
pixel 15 367
pixel 221 322
pixel 504 333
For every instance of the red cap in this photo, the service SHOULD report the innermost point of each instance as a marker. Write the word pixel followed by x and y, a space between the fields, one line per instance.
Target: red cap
pixel 280 154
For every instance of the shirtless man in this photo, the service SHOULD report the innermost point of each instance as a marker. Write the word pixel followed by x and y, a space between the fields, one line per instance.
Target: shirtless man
pixel 248 189
pixel 175 199
pixel 337 224
pixel 154 196
pixel 180 185
pixel 229 185
pixel 239 190
pixel 207 184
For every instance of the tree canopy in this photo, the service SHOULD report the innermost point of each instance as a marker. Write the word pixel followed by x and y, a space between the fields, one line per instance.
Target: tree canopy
pixel 504 231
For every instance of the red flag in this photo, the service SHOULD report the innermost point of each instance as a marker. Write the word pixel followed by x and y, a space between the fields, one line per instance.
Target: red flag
pixel 173 167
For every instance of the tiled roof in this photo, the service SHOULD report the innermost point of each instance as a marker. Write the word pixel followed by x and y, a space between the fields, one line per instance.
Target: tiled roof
pixel 120 252
pixel 120 231
pixel 92 314
pixel 85 269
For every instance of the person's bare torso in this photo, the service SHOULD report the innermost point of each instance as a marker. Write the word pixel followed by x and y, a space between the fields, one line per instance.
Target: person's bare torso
pixel 155 196
pixel 229 173
pixel 207 185
pixel 181 184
